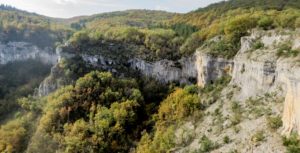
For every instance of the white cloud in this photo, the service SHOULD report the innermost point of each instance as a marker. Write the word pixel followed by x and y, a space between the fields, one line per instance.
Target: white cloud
pixel 64 2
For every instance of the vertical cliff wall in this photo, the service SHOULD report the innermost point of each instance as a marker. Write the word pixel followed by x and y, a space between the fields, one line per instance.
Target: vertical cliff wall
pixel 200 68
pixel 211 68
pixel 16 51
pixel 260 70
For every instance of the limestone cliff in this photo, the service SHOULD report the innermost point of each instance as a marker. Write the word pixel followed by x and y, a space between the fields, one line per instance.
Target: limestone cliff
pixel 259 71
pixel 199 68
pixel 20 51
pixel 16 51
pixel 256 70
pixel 261 76
pixel 265 83
pixel 58 78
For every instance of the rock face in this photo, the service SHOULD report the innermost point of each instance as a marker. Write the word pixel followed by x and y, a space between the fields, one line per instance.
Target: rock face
pixel 288 74
pixel 16 51
pixel 255 70
pixel 259 71
pixel 57 79
pixel 166 71
pixel 200 68
pixel 19 51
pixel 52 82
pixel 210 68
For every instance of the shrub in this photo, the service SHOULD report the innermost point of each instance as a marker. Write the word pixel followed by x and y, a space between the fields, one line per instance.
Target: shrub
pixel 238 27
pixel 274 122
pixel 226 140
pixel 125 34
pixel 237 113
pixel 292 143
pixel 285 50
pixel 206 145
pixel 178 105
pixel 223 49
pixel 236 118
pixel 193 89
pixel 80 37
pixel 192 44
pixel 265 23
pixel 287 18
pixel 258 137
pixel 162 141
pixel 258 45
pixel 235 106
pixel 184 30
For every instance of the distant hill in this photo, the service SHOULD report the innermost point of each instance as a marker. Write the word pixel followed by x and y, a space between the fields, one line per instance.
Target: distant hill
pixel 246 4
pixel 135 18
pixel 207 15
pixel 19 25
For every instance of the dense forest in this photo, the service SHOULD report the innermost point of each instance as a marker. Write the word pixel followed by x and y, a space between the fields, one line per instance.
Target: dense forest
pixel 17 80
pixel 183 34
pixel 102 112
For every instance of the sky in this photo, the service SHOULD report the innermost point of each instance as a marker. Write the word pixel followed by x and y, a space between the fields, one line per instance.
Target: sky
pixel 71 8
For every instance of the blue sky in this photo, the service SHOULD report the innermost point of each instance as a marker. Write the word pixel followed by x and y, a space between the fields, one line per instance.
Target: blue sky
pixel 70 8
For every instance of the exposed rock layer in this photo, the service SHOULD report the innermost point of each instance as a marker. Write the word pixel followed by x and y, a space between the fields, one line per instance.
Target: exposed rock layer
pixel 199 68
pixel 17 51
pixel 260 71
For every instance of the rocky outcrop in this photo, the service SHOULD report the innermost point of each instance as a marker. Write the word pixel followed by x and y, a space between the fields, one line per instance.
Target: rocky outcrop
pixel 260 71
pixel 52 82
pixel 166 70
pixel 57 77
pixel 210 68
pixel 20 51
pixel 199 68
pixel 17 51
pixel 291 113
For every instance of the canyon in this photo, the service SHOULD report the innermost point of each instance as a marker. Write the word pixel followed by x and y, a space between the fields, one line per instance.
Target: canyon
pixel 255 71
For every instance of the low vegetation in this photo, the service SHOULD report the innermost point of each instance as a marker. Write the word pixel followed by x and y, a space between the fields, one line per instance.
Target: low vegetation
pixel 274 122
pixel 258 137
pixel 292 143
pixel 206 145
pixel 285 50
